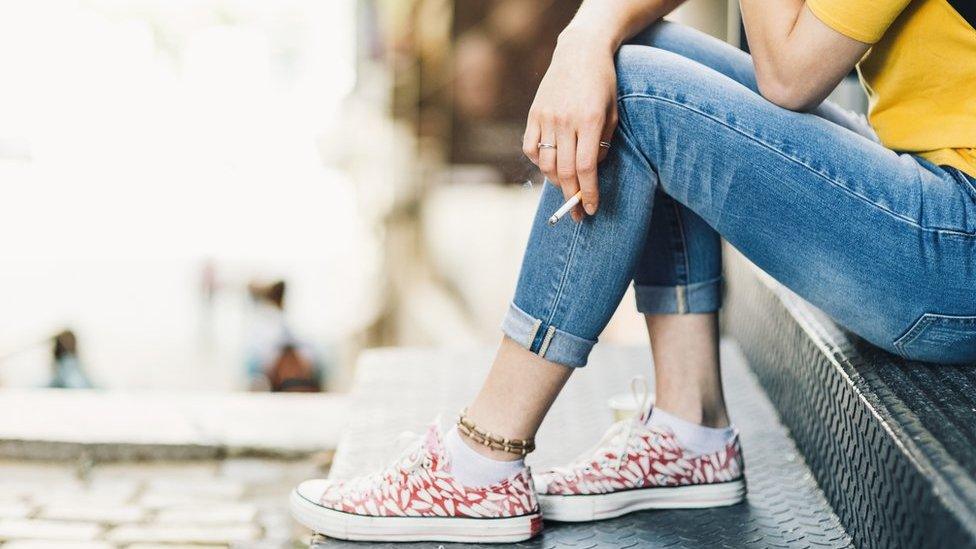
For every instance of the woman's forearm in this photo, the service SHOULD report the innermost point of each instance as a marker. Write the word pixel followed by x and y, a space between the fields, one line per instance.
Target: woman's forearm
pixel 798 59
pixel 611 22
pixel 768 28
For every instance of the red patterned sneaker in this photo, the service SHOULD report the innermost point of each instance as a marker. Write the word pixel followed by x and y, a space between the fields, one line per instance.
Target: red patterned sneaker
pixel 637 467
pixel 418 499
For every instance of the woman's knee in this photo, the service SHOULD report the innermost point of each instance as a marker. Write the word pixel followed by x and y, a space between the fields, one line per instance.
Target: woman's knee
pixel 667 35
pixel 651 71
pixel 699 47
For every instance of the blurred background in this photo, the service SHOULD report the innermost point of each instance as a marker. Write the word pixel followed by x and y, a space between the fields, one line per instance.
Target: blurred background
pixel 159 160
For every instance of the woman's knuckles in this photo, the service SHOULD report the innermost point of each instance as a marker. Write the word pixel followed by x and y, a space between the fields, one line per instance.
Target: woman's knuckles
pixel 585 166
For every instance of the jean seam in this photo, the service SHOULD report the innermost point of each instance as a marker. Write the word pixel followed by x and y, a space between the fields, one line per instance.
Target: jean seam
pixel 686 285
pixel 911 335
pixel 969 185
pixel 565 275
pixel 811 169
pixel 682 293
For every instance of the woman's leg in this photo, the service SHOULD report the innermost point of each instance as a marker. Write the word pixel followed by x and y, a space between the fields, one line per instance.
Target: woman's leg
pixel 516 395
pixel 572 279
pixel 677 283
pixel 735 64
pixel 687 377
pixel 875 239
pixel 872 237
pixel 883 242
pixel 678 279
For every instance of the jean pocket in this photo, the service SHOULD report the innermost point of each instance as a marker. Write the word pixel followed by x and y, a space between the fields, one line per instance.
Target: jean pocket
pixel 964 179
pixel 946 339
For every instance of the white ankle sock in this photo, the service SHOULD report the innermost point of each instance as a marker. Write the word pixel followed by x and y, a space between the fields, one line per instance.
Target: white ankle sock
pixel 698 439
pixel 473 469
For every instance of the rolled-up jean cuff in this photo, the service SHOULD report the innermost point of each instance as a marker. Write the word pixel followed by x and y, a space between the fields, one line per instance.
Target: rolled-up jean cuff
pixel 545 340
pixel 699 297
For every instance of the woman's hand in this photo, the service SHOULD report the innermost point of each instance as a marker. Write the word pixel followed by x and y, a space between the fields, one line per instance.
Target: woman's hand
pixel 574 109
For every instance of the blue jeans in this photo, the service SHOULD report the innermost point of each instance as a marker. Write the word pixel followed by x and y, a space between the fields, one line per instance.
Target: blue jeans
pixel 885 243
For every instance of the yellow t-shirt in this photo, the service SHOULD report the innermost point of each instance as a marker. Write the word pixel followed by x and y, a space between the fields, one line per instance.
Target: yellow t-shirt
pixel 920 73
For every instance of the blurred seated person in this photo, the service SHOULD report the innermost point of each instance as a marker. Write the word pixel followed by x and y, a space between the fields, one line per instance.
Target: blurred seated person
pixel 275 360
pixel 66 370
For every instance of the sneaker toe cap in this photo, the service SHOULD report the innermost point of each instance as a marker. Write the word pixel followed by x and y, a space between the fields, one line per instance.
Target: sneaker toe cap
pixel 313 490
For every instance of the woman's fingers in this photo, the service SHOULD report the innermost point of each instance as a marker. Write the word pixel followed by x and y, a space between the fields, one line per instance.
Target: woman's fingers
pixel 609 127
pixel 587 155
pixel 530 139
pixel 567 152
pixel 547 153
pixel 566 164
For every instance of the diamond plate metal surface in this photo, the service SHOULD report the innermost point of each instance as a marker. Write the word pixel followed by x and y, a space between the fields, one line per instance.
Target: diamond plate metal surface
pixel 890 441
pixel 400 389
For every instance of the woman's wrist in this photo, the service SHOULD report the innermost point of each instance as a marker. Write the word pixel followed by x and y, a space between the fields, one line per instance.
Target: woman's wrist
pixel 609 23
pixel 589 36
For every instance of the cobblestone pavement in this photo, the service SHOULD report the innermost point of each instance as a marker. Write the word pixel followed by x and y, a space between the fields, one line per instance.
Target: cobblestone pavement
pixel 239 503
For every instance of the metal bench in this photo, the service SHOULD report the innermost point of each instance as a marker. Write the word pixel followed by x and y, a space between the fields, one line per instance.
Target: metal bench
pixel 404 389
pixel 892 442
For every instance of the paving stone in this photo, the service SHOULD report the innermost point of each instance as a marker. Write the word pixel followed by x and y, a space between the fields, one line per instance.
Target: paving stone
pixel 173 546
pixel 15 529
pixel 141 472
pixel 20 488
pixel 253 470
pixel 151 500
pixel 264 544
pixel 102 514
pixel 15 510
pixel 213 488
pixel 208 514
pixel 56 544
pixel 98 494
pixel 238 502
pixel 184 533
pixel 278 526
pixel 120 488
pixel 28 471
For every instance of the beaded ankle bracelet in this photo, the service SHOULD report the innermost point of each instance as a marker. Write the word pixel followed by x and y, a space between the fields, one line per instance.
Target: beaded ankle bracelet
pixel 519 447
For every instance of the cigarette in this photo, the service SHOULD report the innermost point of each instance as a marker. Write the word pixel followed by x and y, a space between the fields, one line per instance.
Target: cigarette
pixel 564 209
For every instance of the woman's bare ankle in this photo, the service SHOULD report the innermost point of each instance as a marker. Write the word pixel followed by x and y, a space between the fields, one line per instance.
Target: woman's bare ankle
pixel 706 414
pixel 515 397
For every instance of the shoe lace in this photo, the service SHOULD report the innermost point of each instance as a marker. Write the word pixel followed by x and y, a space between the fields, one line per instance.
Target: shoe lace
pixel 616 441
pixel 411 458
pixel 640 390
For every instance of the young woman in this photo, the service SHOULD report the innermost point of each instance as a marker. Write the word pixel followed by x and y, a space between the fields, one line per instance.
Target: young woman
pixel 875 224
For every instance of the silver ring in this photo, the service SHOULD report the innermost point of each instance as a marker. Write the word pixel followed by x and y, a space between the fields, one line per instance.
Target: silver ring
pixel 546 145
pixel 605 144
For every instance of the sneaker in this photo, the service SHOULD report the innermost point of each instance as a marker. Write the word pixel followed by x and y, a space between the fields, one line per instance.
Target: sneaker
pixel 637 467
pixel 418 499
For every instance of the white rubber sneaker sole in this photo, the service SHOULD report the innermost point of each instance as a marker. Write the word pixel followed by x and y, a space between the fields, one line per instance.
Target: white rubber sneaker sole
pixel 347 526
pixel 582 508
